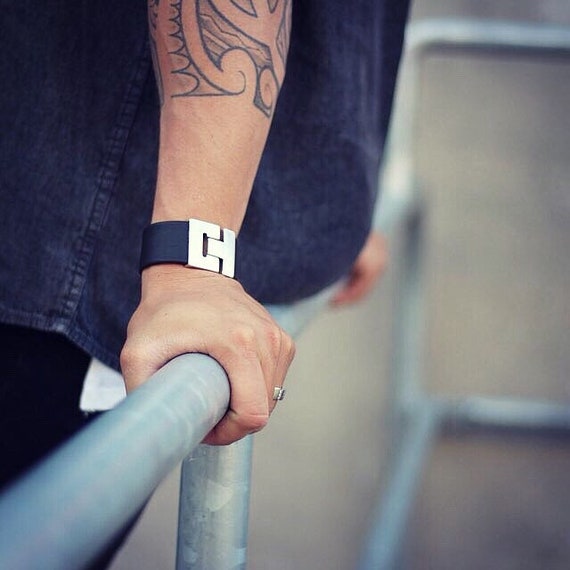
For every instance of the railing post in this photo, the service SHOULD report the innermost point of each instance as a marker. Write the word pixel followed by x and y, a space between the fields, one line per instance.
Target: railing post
pixel 212 533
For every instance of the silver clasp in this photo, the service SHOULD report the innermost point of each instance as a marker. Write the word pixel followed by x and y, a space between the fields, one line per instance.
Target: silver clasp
pixel 210 247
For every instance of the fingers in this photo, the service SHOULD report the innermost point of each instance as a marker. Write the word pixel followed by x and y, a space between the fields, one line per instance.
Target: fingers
pixel 259 361
pixel 248 411
pixel 286 355
pixel 368 267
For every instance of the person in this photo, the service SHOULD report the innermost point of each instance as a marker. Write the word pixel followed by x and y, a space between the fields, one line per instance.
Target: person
pixel 96 145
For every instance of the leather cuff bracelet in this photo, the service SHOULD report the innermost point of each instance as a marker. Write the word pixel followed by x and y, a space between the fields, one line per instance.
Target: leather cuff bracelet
pixel 193 243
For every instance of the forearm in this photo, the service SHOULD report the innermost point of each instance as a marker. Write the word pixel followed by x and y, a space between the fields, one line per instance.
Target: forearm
pixel 219 70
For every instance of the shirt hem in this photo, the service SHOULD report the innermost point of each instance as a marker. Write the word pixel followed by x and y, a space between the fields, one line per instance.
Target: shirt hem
pixel 63 326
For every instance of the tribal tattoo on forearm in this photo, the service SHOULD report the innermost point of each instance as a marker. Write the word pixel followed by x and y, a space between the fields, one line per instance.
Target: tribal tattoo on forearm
pixel 214 48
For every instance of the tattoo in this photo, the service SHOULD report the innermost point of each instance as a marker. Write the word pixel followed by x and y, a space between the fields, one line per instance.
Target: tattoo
pixel 246 6
pixel 283 34
pixel 152 24
pixel 221 48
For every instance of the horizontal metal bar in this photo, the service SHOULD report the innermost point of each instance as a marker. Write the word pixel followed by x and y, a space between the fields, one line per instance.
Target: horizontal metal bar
pixel 487 34
pixel 425 420
pixel 463 34
pixel 504 414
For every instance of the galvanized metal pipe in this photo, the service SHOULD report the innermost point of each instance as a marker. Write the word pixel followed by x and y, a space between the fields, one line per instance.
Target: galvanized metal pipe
pixel 214 507
pixel 459 33
pixel 504 415
pixel 389 520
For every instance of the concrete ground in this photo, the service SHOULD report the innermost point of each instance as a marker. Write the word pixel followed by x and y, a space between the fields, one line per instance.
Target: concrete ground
pixel 493 156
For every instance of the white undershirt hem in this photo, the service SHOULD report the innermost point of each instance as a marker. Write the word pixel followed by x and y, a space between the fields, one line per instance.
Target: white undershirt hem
pixel 103 388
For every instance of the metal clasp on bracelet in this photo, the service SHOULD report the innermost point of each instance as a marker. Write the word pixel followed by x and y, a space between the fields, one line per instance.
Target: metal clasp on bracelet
pixel 210 247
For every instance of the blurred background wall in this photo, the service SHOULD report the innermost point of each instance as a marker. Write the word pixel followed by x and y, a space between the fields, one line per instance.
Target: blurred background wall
pixel 493 150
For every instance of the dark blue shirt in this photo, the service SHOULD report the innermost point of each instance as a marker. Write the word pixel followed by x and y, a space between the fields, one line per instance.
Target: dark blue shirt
pixel 78 153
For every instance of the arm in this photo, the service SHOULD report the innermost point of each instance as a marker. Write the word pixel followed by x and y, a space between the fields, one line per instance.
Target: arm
pixel 219 69
pixel 219 66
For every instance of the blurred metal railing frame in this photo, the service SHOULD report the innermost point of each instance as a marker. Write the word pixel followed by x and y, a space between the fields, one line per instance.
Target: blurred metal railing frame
pixel 418 416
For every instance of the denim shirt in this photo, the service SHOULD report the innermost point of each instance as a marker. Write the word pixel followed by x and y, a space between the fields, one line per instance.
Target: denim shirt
pixel 78 153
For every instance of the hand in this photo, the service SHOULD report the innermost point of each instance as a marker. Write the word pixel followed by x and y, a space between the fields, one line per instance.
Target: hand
pixel 189 310
pixel 368 267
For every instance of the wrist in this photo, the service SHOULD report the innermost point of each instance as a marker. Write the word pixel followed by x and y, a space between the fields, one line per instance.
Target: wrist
pixel 168 279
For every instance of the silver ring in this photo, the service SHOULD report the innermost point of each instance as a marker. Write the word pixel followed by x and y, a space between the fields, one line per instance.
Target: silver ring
pixel 278 393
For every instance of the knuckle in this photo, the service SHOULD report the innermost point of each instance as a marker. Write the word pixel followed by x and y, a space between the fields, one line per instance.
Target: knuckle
pixel 243 337
pixel 288 345
pixel 129 362
pixel 274 336
pixel 291 347
pixel 254 422
pixel 129 354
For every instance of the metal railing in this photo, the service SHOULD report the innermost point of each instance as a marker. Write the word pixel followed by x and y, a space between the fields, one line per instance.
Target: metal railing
pixel 65 511
pixel 418 416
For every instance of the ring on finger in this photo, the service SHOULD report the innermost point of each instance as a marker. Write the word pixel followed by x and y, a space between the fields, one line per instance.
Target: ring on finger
pixel 278 393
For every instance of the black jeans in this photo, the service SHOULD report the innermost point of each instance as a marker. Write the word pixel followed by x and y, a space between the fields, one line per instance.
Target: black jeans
pixel 41 376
